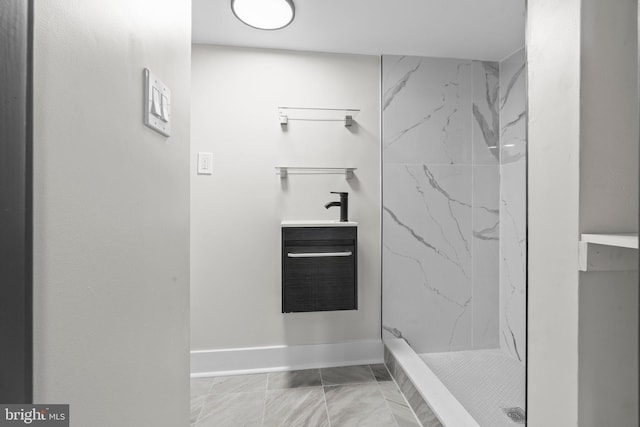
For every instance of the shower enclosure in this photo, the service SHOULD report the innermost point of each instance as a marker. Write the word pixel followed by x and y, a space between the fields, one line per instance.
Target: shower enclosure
pixel 454 225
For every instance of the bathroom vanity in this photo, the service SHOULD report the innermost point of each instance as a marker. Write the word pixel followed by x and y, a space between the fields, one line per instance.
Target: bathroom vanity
pixel 319 266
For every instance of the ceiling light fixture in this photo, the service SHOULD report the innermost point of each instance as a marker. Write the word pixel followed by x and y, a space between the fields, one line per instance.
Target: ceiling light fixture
pixel 264 14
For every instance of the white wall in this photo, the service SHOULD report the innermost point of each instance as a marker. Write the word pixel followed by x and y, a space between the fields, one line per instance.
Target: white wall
pixel 609 117
pixel 553 55
pixel 111 207
pixel 608 329
pixel 236 212
pixel 583 177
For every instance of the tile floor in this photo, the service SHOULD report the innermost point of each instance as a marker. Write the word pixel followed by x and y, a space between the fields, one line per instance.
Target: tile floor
pixel 364 395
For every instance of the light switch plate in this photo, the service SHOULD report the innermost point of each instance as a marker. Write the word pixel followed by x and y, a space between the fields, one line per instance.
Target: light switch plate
pixel 157 104
pixel 204 163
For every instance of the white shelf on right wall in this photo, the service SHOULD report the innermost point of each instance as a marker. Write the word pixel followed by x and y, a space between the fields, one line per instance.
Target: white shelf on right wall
pixel 608 252
pixel 623 240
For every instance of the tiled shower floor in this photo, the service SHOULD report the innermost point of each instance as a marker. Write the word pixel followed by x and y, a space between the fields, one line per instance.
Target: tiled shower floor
pixel 348 396
pixel 486 382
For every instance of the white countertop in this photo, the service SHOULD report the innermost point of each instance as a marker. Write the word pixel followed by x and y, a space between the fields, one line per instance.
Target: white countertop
pixel 318 223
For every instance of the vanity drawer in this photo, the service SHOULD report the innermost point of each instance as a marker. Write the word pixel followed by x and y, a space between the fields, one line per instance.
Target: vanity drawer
pixel 319 269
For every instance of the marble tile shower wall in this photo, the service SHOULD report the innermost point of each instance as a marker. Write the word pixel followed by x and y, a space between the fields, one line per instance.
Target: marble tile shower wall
pixel 441 202
pixel 513 184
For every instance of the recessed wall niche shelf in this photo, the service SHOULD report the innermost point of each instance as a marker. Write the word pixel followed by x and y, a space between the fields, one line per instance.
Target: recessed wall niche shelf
pixel 344 115
pixel 284 171
pixel 608 252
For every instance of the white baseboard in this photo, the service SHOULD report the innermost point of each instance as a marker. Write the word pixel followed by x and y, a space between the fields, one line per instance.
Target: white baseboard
pixel 234 361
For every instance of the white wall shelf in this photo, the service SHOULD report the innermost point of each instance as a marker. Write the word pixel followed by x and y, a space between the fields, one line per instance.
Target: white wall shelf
pixel 623 240
pixel 284 171
pixel 608 252
pixel 345 115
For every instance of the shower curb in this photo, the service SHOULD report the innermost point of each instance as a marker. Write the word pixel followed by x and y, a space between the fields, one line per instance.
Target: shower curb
pixel 432 402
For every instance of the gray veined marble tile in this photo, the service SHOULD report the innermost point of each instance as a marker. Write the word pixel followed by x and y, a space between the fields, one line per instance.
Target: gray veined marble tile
pixel 486 253
pixel 430 205
pixel 427 246
pixel 380 372
pixel 513 206
pixel 293 379
pixel 296 407
pixel 239 384
pixel 512 71
pixel 513 261
pixel 347 375
pixel 232 410
pixel 391 332
pixel 357 405
pixel 486 112
pixel 426 109
pixel 200 386
pixel 196 405
pixel 400 409
pixel 392 393
pixel 422 411
pixel 486 301
pixel 513 115
pixel 390 361
pixel 408 65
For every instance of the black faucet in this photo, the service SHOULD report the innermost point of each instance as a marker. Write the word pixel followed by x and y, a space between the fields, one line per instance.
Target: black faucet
pixel 343 203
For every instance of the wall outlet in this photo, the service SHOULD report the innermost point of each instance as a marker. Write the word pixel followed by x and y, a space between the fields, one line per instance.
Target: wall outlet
pixel 205 161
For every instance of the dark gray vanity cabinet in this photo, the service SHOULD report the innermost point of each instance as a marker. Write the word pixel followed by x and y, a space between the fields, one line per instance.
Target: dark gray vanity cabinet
pixel 319 269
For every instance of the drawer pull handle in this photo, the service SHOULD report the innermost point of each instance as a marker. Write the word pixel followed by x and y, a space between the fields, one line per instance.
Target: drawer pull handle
pixel 318 254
